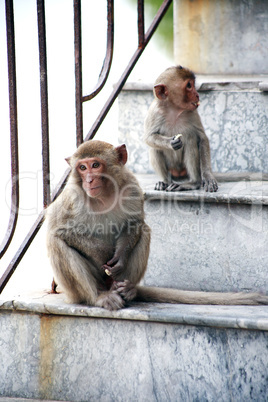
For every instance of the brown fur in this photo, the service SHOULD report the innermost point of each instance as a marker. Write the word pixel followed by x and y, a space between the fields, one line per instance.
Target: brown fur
pixel 99 246
pixel 174 111
pixel 172 74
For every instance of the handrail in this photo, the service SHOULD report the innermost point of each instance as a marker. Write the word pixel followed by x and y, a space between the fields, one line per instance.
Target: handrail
pixel 78 63
pixel 109 53
pixel 13 128
pixel 143 40
pixel 44 100
pixel 117 88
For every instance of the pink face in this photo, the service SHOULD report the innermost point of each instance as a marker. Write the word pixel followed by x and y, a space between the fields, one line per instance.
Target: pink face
pixel 182 94
pixel 191 95
pixel 91 171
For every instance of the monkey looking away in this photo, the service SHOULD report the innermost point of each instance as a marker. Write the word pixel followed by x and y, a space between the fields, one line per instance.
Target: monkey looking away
pixel 179 147
pixel 97 239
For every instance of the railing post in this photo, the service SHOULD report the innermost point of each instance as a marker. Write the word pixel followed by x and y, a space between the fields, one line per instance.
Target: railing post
pixel 144 38
pixel 44 100
pixel 141 22
pixel 78 72
pixel 13 116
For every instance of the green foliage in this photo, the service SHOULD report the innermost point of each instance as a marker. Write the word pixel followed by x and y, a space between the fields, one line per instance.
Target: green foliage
pixel 164 32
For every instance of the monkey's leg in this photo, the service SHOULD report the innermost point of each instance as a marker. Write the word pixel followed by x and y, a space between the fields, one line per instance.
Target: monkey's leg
pixel 192 163
pixel 157 160
pixel 78 277
pixel 72 272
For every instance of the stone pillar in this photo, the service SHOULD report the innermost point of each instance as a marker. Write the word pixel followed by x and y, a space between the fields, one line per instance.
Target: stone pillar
pixel 221 36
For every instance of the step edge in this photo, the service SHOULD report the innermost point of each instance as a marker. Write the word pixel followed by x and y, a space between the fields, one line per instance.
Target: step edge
pixel 257 83
pixel 236 317
pixel 205 197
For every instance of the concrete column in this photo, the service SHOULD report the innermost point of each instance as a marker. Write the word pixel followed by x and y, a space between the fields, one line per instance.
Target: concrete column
pixel 221 36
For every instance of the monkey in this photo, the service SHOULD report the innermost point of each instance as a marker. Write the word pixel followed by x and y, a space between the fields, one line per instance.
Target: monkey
pixel 182 161
pixel 96 229
pixel 98 241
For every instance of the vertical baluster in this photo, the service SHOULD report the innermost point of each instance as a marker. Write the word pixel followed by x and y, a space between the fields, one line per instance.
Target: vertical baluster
pixel 78 71
pixel 141 22
pixel 13 127
pixel 44 100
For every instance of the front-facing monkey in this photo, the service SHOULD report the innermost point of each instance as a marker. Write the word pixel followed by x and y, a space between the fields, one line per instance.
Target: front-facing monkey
pixel 173 112
pixel 98 241
pixel 96 229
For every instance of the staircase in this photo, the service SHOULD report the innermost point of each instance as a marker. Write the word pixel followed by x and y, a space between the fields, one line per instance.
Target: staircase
pixel 200 241
pixel 212 241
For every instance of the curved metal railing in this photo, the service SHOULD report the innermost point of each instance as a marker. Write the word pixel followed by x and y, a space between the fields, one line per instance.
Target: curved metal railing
pixel 143 40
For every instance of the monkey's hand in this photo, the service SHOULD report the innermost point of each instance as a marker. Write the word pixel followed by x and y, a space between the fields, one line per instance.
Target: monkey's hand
pixel 176 142
pixel 126 290
pixel 115 266
pixel 209 182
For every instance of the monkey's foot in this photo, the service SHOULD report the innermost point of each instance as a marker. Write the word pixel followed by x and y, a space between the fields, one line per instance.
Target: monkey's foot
pixel 126 290
pixel 54 286
pixel 183 186
pixel 110 300
pixel 161 186
pixel 173 187
pixel 210 185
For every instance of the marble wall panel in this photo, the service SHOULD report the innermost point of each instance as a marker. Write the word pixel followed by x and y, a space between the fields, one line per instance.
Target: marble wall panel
pixel 205 246
pixel 236 123
pixel 83 359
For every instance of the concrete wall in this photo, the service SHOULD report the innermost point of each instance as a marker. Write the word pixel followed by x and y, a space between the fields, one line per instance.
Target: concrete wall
pixel 208 246
pixel 90 359
pixel 221 37
pixel 234 117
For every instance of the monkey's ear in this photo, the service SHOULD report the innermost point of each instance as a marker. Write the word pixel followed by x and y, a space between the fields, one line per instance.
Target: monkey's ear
pixel 161 91
pixel 122 154
pixel 68 160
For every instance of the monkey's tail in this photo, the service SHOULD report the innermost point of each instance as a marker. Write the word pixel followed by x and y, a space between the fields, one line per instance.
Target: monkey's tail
pixel 166 295
pixel 240 176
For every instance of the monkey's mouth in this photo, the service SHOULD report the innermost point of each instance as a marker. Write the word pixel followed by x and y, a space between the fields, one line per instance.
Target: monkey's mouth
pixel 196 104
pixel 91 189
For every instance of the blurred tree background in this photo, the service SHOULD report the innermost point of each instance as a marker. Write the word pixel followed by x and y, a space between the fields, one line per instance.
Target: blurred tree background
pixel 164 33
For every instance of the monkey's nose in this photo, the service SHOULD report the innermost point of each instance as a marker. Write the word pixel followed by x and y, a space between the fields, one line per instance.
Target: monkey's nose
pixel 89 179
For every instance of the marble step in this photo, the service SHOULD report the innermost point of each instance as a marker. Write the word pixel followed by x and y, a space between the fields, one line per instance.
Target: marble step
pixel 208 241
pixel 147 352
pixel 4 399
pixel 234 114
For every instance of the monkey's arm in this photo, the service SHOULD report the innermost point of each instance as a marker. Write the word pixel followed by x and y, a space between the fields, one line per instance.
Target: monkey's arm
pixel 154 133
pixel 125 244
pixel 161 142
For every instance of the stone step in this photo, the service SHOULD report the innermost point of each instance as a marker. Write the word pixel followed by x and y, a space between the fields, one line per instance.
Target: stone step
pixel 146 352
pixel 208 241
pixel 234 114
pixel 4 399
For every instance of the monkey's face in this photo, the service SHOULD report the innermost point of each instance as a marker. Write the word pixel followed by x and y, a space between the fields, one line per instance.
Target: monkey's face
pixel 183 95
pixel 191 98
pixel 180 94
pixel 92 172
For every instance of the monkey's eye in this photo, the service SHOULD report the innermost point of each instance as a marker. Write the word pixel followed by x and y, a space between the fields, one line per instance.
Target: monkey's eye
pixel 189 85
pixel 82 167
pixel 95 165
